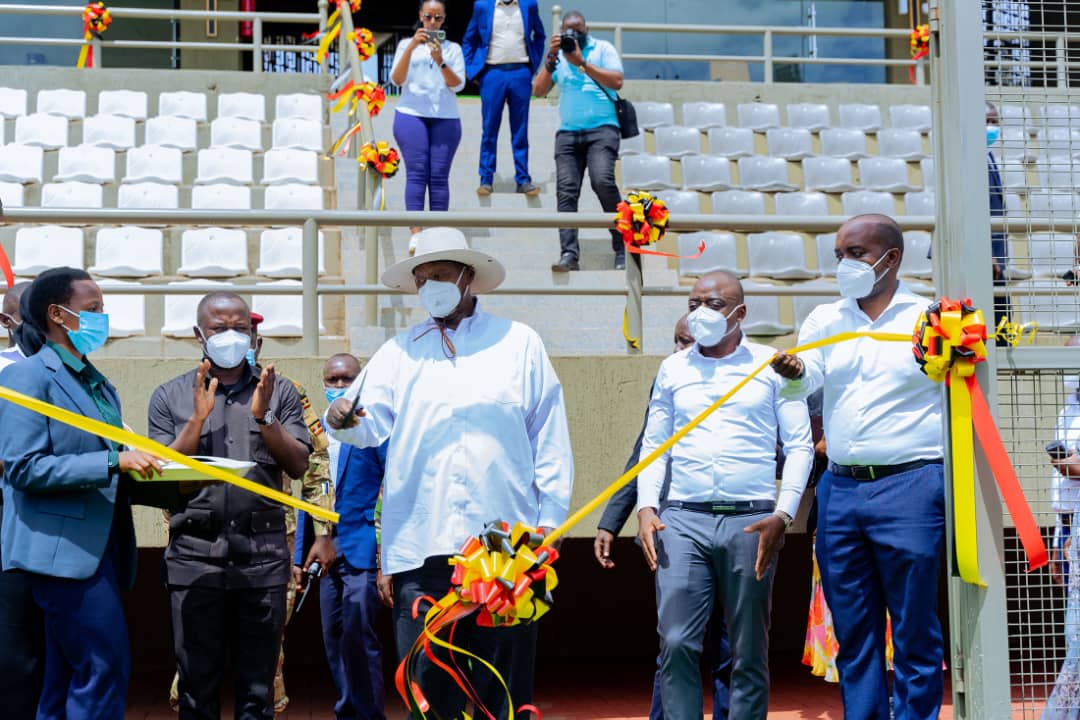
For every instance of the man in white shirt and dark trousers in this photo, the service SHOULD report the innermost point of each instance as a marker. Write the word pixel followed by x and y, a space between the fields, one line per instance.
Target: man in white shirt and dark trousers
pixel 881 503
pixel 717 534
pixel 477 432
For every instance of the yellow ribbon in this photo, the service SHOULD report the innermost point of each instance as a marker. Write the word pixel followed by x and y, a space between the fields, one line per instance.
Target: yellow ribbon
pixel 138 442
pixel 631 341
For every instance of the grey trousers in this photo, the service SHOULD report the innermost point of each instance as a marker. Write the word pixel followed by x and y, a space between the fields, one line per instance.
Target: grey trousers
pixel 706 559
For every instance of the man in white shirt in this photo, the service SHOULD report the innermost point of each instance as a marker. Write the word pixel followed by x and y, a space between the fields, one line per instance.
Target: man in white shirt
pixel 722 522
pixel 1065 483
pixel 477 431
pixel 10 319
pixel 881 503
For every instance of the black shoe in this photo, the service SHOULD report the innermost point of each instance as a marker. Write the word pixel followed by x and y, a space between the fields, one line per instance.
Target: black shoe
pixel 484 190
pixel 566 263
pixel 529 189
pixel 620 261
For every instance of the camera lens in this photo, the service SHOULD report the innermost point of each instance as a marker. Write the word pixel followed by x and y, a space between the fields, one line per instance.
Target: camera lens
pixel 567 43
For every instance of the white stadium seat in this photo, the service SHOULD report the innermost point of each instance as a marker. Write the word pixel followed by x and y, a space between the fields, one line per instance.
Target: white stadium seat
pixel 827 174
pixel 127 312
pixel 71 195
pixel 646 172
pixel 721 253
pixel 1013 271
pixel 86 163
pixel 803 305
pixel 281 253
pixel 900 143
pixel 148 196
pixel 1059 143
pixel 293 196
pixel 676 142
pixel 857 116
pixel 12 102
pixel 1044 202
pixel 1056 115
pixel 630 146
pixel 731 142
pixel 284 313
pixel 1052 175
pixel 844 143
pixel 912 117
pixel 128 252
pixel 919 203
pixel 801 203
pixel 213 252
pixel 1046 309
pixel 220 196
pixel 764 173
pixel 1016 145
pixel 826 253
pixel 183 104
pixel 236 133
pixel 180 310
pixel 681 202
pixel 305 106
pixel 915 262
pixel 12 194
pixel 298 134
pixel 706 173
pixel 790 143
pixel 926 165
pixel 885 173
pixel 47 246
pixel 126 103
pixel 247 106
pixel 22 163
pixel 154 163
pixel 704 115
pixel 285 166
pixel 225 165
pixel 780 255
pixel 758 116
pixel 47 131
pixel 1015 178
pixel 1052 254
pixel 62 102
pixel 111 131
pixel 861 202
pixel 738 202
pixel 763 314
pixel 176 132
pixel 651 115
pixel 1018 116
pixel 812 116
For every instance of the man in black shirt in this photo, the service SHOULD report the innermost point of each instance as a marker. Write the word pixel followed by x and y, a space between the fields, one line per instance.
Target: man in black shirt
pixel 227 563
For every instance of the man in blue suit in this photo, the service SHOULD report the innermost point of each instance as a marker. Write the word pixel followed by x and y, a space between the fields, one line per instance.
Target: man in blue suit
pixel 504 45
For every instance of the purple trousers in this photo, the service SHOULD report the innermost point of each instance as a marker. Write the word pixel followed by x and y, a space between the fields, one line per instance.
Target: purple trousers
pixel 427 146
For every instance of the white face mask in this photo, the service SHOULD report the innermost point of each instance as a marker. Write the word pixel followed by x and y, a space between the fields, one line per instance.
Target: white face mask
pixel 227 349
pixel 440 298
pixel 709 327
pixel 856 278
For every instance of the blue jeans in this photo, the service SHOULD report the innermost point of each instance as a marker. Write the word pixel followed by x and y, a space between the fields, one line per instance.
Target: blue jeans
pixel 428 146
pixel 879 548
pixel 721 673
pixel 505 85
pixel 349 602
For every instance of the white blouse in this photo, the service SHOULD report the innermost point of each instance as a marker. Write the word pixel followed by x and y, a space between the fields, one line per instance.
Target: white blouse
pixel 425 93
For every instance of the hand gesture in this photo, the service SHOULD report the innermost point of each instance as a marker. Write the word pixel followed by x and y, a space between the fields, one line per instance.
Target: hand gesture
pixel 770 535
pixel 436 52
pixel 264 392
pixel 322 552
pixel 143 464
pixel 554 44
pixel 602 548
pixel 205 394
pixel 385 584
pixel 419 38
pixel 787 366
pixel 648 525
pixel 340 414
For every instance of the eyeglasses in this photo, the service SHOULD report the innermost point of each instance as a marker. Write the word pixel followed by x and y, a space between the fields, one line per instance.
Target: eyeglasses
pixel 436 18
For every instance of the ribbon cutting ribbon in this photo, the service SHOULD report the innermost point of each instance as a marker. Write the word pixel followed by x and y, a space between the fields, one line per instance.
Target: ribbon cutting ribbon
pixel 333 28
pixel 642 219
pixel 948 343
pixel 5 268
pixel 138 442
pixel 1012 333
pixel 96 20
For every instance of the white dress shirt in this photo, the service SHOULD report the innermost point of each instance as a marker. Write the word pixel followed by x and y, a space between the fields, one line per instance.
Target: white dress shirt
pixel 878 406
pixel 425 93
pixel 732 454
pixel 507 43
pixel 1065 491
pixel 475 438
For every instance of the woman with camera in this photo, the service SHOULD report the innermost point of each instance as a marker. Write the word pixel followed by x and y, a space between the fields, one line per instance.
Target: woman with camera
pixel 427 127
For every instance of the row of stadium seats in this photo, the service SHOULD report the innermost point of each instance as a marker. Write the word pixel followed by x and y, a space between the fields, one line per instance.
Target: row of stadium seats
pixel 164 196
pixel 783 142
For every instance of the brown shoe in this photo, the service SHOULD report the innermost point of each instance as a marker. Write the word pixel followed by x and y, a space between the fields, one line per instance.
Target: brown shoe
pixel 484 190
pixel 529 189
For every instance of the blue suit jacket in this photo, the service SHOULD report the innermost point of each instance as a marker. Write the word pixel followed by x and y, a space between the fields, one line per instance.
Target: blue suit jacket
pixel 360 476
pixel 59 496
pixel 478 35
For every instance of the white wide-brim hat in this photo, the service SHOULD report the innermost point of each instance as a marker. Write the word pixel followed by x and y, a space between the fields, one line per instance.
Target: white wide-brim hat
pixel 445 243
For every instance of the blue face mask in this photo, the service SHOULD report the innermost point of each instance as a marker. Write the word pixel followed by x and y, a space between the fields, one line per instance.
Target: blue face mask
pixel 93 331
pixel 250 357
pixel 993 133
pixel 333 394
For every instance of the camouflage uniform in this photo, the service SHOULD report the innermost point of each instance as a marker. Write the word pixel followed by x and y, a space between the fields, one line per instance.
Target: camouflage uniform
pixel 317 489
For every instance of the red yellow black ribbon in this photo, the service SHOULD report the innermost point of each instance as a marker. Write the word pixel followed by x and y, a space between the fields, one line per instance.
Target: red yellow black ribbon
pixel 949 341
pixel 96 20
pixel 380 157
pixel 920 46
pixel 642 219
pixel 364 40
pixel 352 93
pixel 5 267
pixel 333 28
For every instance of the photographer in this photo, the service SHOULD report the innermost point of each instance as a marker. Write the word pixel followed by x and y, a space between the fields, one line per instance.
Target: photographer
pixel 427 126
pixel 586 70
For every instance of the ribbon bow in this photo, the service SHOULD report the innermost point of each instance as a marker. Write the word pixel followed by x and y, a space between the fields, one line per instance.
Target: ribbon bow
pixel 380 157
pixel 333 29
pixel 353 92
pixel 642 219
pixel 364 41
pixel 948 342
pixel 920 46
pixel 96 20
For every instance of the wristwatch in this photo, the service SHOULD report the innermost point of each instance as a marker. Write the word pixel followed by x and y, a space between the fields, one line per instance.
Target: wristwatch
pixel 267 419
pixel 787 519
pixel 442 65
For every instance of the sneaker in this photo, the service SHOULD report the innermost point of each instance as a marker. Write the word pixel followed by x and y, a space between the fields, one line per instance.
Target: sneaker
pixel 529 189
pixel 484 190
pixel 620 261
pixel 566 263
pixel 412 246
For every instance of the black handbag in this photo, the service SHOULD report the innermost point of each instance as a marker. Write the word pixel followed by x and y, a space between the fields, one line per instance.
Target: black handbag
pixel 625 112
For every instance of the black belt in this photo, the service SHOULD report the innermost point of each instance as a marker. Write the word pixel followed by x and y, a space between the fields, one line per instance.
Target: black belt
pixel 869 473
pixel 723 507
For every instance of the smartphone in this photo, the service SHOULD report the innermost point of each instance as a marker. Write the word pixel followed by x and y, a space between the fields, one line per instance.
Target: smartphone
pixel 1057 450
pixel 439 35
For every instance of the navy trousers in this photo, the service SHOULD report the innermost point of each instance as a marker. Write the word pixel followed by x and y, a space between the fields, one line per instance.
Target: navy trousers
pixel 501 86
pixel 879 547
pixel 87 659
pixel 349 601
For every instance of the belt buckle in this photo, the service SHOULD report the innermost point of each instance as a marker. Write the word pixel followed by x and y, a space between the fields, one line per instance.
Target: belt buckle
pixel 719 508
pixel 873 475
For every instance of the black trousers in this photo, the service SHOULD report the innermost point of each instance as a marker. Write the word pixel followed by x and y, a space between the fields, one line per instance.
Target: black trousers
pixel 22 647
pixel 209 623
pixel 575 150
pixel 511 650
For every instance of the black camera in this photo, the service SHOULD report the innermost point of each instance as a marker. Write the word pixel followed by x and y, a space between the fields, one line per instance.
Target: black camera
pixel 568 41
pixel 1057 450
